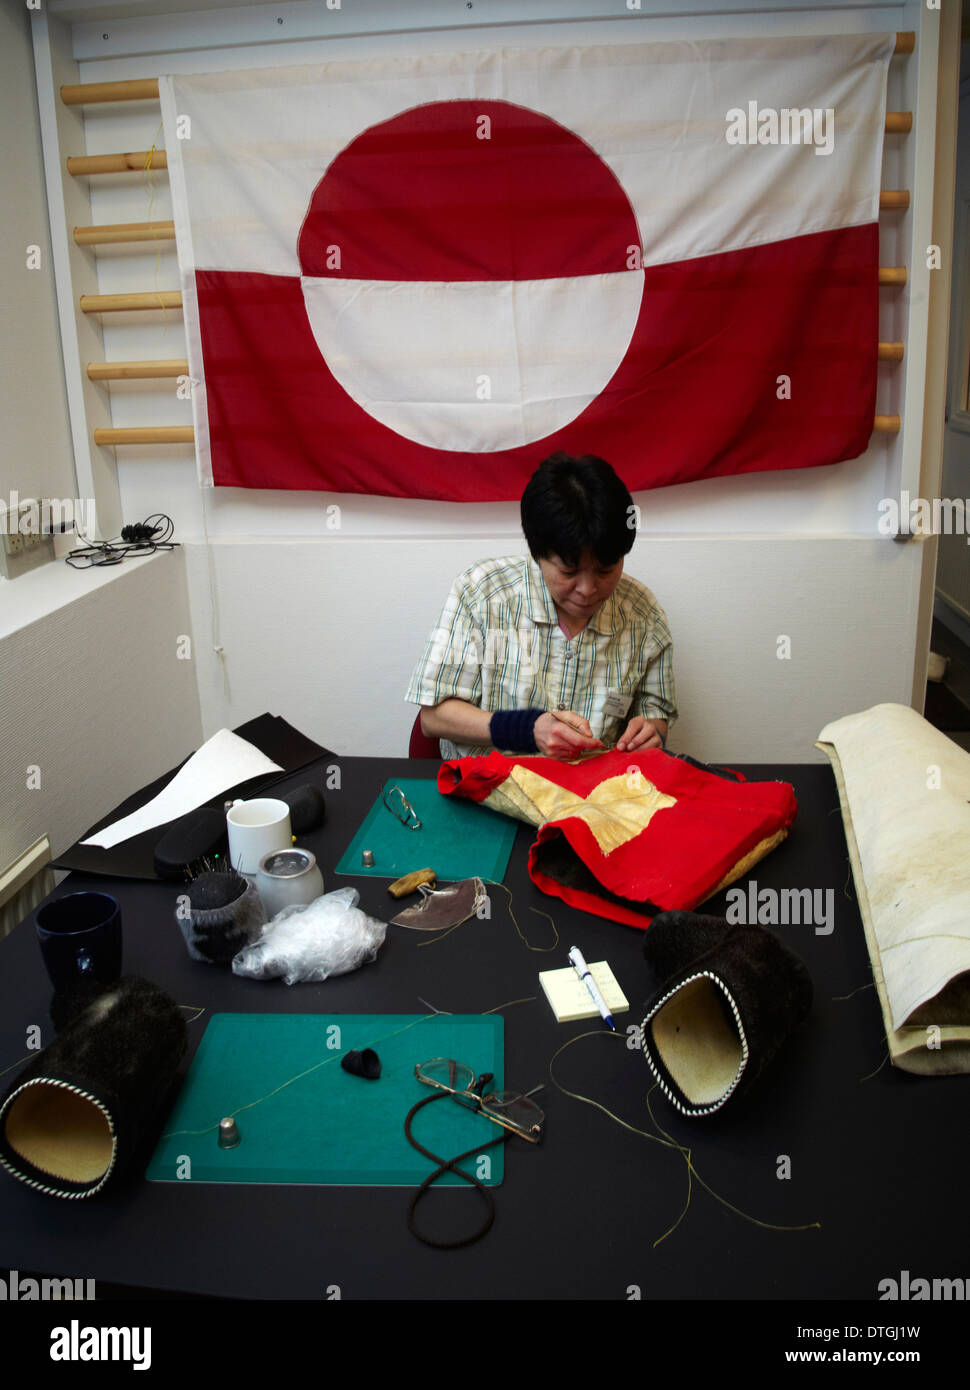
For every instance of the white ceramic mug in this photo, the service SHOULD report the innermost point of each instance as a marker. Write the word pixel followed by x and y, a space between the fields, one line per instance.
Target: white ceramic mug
pixel 256 828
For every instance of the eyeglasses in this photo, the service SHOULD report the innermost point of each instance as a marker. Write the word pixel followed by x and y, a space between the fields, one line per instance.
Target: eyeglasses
pixel 515 1114
pixel 400 804
pixel 510 1109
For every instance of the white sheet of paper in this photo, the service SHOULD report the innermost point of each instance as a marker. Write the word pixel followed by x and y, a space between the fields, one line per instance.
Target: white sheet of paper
pixel 222 762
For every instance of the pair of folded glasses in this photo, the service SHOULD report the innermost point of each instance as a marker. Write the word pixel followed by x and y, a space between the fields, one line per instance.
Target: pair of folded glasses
pixel 516 1114
pixel 399 807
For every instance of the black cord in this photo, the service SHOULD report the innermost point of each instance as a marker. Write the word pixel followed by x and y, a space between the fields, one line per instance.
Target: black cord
pixel 140 538
pixel 449 1165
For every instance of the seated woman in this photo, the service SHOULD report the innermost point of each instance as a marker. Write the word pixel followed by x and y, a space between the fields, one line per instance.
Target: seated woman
pixel 560 653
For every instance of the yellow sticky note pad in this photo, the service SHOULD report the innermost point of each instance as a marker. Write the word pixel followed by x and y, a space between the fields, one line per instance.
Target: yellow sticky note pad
pixel 570 999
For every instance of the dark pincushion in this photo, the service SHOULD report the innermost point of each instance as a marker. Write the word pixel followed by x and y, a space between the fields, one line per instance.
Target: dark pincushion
pixel 225 915
pixel 77 1114
pixel 215 890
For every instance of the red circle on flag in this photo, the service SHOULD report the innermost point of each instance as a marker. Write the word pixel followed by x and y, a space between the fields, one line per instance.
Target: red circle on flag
pixel 467 190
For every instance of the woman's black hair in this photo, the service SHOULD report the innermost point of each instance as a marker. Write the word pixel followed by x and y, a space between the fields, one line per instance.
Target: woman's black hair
pixel 571 505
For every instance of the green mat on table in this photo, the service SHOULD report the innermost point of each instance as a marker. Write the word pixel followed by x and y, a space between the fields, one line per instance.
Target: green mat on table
pixel 457 838
pixel 328 1126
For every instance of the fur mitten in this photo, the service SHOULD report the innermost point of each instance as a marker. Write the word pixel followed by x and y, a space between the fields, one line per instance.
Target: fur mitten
pixel 724 998
pixel 77 1113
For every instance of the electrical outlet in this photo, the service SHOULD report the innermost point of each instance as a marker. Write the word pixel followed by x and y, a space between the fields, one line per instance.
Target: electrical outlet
pixel 26 543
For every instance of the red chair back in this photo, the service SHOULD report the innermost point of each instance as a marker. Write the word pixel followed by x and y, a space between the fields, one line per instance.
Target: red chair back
pixel 421 745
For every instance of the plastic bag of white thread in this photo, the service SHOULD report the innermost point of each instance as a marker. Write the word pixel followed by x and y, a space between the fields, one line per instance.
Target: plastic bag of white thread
pixel 330 936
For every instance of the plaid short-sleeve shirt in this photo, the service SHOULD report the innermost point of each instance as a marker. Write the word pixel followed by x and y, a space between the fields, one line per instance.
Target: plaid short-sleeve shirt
pixel 498 645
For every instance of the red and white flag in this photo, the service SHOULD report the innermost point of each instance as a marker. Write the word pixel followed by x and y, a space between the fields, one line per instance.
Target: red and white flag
pixel 418 276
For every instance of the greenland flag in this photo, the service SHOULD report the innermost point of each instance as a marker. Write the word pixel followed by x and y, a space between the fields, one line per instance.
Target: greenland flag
pixel 419 276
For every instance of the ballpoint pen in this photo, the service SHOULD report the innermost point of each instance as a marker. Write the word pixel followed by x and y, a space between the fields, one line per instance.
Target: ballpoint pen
pixel 583 971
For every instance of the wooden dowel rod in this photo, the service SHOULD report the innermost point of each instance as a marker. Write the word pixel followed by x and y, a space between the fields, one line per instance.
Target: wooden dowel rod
pixel 157 371
pixel 141 160
pixel 124 232
pixel 147 434
pixel 141 89
pixel 150 371
pixel 185 434
pixel 889 199
pixel 172 299
pixel 905 42
pixel 147 88
pixel 111 303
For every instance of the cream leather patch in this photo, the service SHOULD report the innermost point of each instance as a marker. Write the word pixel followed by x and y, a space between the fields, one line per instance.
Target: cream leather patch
pixel 698 1046
pixel 616 811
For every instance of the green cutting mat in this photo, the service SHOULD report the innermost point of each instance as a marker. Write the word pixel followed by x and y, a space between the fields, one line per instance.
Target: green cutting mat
pixel 457 839
pixel 327 1126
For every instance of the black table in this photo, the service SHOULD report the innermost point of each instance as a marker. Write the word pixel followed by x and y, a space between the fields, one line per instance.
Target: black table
pixel 874 1154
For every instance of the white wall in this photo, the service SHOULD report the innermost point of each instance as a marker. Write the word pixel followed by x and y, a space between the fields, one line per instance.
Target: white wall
pixel 326 633
pixel 94 694
pixel 323 628
pixel 93 701
pixel 35 448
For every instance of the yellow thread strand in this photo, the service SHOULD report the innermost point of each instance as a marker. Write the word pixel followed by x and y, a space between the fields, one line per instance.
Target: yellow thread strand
pixel 150 171
pixel 199 1011
pixel 765 1225
pixel 877 1071
pixel 238 1110
pixel 840 998
pixel 17 1064
pixel 690 1184
pixel 440 935
pixel 537 911
pixel 845 886
pixel 587 1100
pixel 529 999
pixel 667 1141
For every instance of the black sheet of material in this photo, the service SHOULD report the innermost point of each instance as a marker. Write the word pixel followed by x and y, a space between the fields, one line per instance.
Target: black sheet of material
pixel 873 1154
pixel 134 858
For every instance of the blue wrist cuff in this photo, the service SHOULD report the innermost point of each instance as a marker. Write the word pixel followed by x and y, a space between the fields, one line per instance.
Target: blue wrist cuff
pixel 513 729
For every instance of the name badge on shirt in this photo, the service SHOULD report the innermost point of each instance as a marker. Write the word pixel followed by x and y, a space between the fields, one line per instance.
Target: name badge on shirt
pixel 616 704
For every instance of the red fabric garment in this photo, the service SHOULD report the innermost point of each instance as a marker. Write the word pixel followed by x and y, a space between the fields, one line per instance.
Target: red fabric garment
pixel 627 835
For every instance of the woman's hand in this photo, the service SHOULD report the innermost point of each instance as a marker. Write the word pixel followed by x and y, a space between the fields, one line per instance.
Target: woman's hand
pixel 641 734
pixel 564 735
